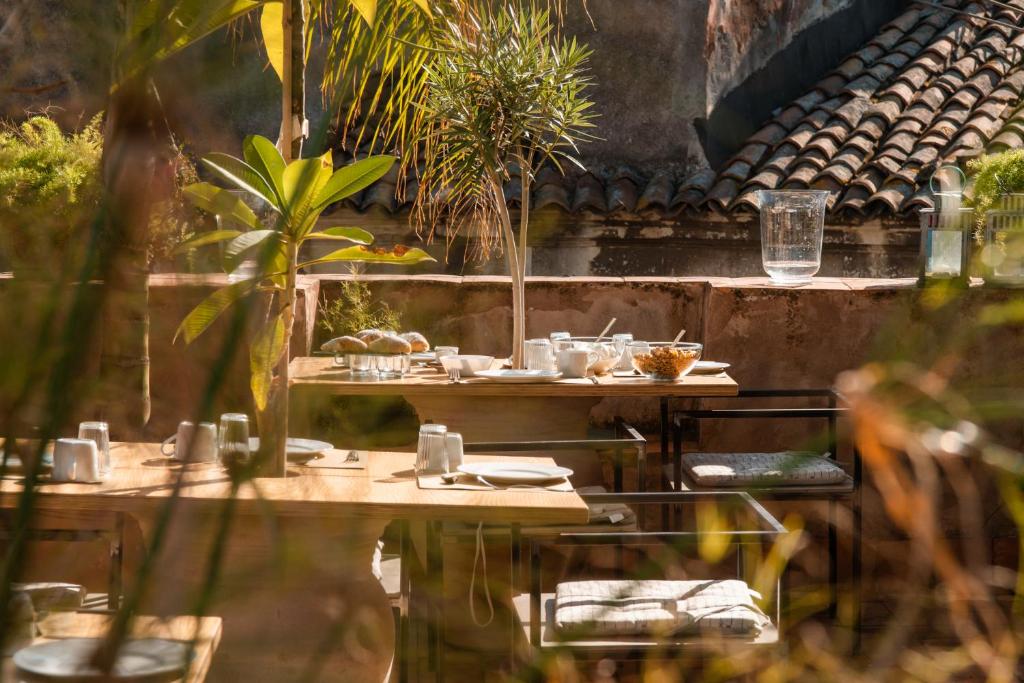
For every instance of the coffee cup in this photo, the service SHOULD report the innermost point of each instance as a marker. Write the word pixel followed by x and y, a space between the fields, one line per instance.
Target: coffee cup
pixel 574 363
pixel 76 460
pixel 192 443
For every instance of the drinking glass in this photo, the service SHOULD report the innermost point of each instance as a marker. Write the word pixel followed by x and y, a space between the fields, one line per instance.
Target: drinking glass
pixel 431 455
pixel 233 440
pixel 792 226
pixel 100 433
pixel 620 341
pixel 540 355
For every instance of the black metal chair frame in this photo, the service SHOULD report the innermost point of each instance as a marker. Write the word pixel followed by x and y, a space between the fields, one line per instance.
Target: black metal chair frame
pixel 832 413
pixel 627 439
pixel 771 529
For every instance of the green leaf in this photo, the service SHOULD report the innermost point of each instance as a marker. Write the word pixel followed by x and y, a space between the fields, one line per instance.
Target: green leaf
pixel 241 175
pixel 302 180
pixel 397 256
pixel 205 238
pixel 264 352
pixel 241 244
pixel 348 180
pixel 273 37
pixel 210 308
pixel 222 203
pixel 158 30
pixel 367 10
pixel 357 235
pixel 264 157
pixel 423 5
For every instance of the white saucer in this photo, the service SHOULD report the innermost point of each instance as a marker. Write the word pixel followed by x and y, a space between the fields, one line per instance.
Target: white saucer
pixel 708 367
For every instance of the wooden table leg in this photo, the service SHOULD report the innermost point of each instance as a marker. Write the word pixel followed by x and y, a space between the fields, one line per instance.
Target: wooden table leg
pixel 297 596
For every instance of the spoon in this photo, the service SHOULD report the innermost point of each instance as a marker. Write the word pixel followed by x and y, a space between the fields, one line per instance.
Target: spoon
pixel 607 329
pixel 679 336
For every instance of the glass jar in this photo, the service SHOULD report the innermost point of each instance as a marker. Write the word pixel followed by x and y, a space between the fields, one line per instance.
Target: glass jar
pixel 792 228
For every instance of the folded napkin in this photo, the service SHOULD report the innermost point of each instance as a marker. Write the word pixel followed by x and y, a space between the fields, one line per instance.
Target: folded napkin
pixel 753 469
pixel 53 596
pixel 651 607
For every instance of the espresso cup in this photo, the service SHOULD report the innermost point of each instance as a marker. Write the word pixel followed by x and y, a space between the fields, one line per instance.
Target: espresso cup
pixel 76 460
pixel 575 362
pixel 192 443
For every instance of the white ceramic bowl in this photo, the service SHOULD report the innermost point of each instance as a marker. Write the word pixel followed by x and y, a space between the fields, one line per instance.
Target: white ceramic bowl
pixel 467 365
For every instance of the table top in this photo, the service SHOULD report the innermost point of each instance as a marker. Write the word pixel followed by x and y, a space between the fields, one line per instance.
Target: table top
pixel 386 489
pixel 60 625
pixel 320 372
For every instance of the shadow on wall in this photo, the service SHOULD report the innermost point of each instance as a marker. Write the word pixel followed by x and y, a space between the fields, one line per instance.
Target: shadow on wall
pixel 789 74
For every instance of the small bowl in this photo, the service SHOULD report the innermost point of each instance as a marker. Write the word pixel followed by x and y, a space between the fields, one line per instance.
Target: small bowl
pixel 664 361
pixel 608 355
pixel 467 365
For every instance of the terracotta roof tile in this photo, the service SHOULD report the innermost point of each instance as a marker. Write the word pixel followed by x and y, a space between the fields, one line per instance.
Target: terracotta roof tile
pixel 589 195
pixel 658 193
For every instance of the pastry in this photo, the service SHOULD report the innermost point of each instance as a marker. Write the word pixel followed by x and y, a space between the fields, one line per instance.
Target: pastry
pixel 369 335
pixel 344 345
pixel 418 342
pixel 390 344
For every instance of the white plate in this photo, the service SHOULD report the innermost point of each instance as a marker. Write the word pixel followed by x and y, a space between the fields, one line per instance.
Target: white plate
pixel 147 660
pixel 515 473
pixel 424 357
pixel 299 450
pixel 708 367
pixel 520 376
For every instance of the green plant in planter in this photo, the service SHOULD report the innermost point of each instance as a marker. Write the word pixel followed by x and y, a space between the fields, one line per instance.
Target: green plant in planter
pixel 297 194
pixel 994 176
pixel 504 96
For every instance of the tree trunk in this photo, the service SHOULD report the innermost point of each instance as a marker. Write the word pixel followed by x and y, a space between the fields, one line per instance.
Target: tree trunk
pixel 135 176
pixel 273 421
pixel 515 269
pixel 293 82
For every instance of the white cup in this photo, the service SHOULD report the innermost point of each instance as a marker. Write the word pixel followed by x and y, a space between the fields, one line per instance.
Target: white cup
pixel 191 443
pixel 575 362
pixel 76 460
pixel 453 451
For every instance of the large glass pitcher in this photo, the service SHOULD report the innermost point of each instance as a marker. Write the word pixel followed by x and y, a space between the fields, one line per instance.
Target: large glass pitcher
pixel 792 225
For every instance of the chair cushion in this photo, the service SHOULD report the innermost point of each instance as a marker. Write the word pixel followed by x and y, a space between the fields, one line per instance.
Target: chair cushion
pixel 603 608
pixel 759 469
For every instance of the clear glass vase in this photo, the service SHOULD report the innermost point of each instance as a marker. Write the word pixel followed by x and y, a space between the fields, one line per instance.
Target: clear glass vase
pixel 792 226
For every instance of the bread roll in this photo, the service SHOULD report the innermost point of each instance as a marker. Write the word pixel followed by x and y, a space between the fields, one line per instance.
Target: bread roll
pixel 369 335
pixel 344 345
pixel 418 342
pixel 390 344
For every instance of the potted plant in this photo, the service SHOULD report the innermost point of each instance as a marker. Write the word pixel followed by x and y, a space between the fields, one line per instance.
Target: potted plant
pixel 297 194
pixel 505 95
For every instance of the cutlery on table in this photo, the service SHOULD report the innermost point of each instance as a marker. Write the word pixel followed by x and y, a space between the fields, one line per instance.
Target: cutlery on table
pixel 454 376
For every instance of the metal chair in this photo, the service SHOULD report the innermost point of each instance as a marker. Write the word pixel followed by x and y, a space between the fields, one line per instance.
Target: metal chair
pixel 536 609
pixel 687 421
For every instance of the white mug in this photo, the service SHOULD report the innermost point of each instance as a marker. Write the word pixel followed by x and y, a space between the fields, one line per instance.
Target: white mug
pixel 76 460
pixel 575 362
pixel 192 444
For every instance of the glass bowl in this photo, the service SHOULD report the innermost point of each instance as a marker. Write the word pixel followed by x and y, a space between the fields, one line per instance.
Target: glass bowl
pixel 664 361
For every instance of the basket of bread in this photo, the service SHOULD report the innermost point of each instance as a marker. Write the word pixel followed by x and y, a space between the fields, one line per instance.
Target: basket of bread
pixel 377 352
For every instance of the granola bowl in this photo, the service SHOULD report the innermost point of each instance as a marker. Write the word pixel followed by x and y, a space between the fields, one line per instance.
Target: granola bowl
pixel 664 361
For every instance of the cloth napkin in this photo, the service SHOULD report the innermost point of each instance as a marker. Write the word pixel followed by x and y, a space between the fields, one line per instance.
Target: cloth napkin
pixel 652 607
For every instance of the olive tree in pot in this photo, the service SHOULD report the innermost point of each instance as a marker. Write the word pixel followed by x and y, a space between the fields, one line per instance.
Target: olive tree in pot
pixel 505 95
pixel 297 194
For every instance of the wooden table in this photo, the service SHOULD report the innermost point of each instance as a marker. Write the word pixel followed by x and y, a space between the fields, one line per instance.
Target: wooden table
pixel 295 590
pixel 483 410
pixel 204 633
